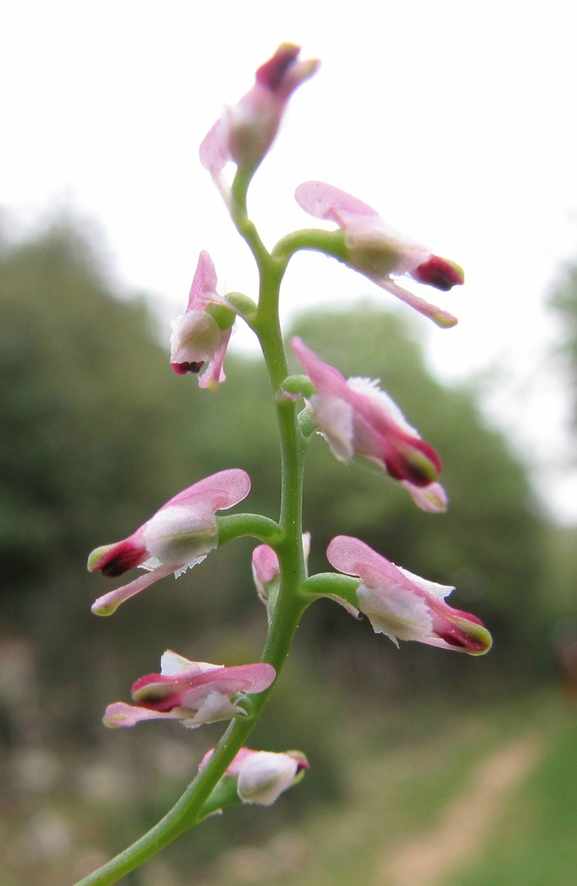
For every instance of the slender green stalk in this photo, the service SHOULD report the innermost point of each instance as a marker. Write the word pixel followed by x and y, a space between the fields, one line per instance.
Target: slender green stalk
pixel 285 537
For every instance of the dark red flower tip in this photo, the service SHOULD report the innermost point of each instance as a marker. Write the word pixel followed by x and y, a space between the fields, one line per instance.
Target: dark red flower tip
pixel 149 692
pixel 183 368
pixel 473 637
pixel 413 460
pixel 272 73
pixel 439 273
pixel 120 559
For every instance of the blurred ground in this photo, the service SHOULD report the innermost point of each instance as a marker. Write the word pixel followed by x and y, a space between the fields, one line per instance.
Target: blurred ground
pixel 427 809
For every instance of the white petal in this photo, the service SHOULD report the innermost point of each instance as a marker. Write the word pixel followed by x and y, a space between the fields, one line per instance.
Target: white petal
pixel 396 613
pixel 430 587
pixel 172 663
pixel 335 418
pixel 370 388
pixel 179 535
pixel 215 706
pixel 264 776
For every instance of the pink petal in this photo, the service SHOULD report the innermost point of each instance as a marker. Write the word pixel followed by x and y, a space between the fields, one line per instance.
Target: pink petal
pixel 214 373
pixel 109 603
pixel 323 376
pixel 214 151
pixel 442 318
pixel 353 557
pixel 188 687
pixel 234 766
pixel 265 563
pixel 432 498
pixel 121 714
pixel 204 282
pixel 219 491
pixel 324 201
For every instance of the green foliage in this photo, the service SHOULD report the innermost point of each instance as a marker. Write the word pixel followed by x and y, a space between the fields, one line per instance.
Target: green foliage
pixel 86 406
pixel 533 839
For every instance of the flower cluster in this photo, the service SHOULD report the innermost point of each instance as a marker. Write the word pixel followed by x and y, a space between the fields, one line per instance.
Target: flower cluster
pixel 357 419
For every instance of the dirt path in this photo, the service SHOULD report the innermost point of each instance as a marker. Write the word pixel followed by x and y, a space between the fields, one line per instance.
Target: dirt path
pixel 465 824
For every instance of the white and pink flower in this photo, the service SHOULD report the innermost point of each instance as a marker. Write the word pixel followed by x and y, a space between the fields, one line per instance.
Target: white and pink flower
pixel 378 251
pixel 178 536
pixel 357 418
pixel 245 131
pixel 262 776
pixel 193 692
pixel 266 570
pixel 404 606
pixel 200 336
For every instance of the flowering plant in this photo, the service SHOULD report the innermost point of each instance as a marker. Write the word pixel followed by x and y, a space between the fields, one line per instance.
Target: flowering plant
pixel 356 418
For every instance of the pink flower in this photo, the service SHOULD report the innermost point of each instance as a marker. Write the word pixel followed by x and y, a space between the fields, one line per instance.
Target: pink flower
pixel 178 536
pixel 246 130
pixel 404 606
pixel 266 570
pixel 262 776
pixel 357 418
pixel 378 251
pixel 201 335
pixel 193 692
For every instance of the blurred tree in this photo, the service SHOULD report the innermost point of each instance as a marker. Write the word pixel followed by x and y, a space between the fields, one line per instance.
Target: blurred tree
pixel 93 439
pixel 564 301
pixel 562 562
pixel 87 420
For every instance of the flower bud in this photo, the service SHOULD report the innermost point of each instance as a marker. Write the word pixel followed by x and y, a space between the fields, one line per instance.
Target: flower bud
pixel 262 776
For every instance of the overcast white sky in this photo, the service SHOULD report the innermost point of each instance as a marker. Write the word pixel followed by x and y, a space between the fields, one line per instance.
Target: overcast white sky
pixel 456 122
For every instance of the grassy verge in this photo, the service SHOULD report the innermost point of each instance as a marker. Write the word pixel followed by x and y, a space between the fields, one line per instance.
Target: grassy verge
pixel 399 795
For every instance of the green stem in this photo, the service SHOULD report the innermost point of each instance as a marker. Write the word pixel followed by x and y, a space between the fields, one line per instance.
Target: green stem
pixel 328 242
pixel 239 525
pixel 286 537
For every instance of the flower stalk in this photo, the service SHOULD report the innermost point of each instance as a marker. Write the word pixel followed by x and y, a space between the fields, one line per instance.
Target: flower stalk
pixel 355 416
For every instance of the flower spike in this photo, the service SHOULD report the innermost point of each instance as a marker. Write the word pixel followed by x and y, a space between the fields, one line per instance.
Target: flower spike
pixel 357 418
pixel 201 335
pixel 193 692
pixel 378 251
pixel 404 606
pixel 178 536
pixel 245 131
